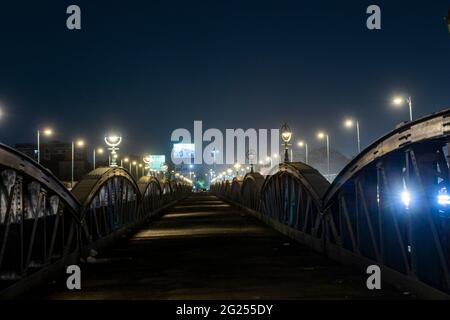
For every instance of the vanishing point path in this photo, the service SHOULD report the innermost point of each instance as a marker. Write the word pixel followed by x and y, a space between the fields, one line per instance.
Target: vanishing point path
pixel 203 248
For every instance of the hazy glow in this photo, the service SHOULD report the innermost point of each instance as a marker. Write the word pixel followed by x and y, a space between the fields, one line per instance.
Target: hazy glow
pixel 321 135
pixel 349 123
pixel 47 132
pixel 443 197
pixel 100 150
pixel 406 198
pixel 286 136
pixel 300 143
pixel 398 101
pixel 80 143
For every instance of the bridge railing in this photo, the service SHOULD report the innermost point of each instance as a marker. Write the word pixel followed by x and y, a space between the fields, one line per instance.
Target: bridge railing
pixel 39 218
pixel 44 225
pixel 390 206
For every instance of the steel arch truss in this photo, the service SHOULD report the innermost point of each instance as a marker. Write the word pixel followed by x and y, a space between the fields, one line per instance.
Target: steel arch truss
pixel 289 198
pixel 396 212
pixel 38 217
pixel 110 200
pixel 151 195
pixel 251 191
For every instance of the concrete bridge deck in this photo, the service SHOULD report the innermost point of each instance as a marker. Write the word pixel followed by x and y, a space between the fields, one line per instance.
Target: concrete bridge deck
pixel 204 248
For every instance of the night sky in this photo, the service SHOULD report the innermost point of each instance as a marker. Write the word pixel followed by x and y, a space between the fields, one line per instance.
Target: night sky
pixel 145 68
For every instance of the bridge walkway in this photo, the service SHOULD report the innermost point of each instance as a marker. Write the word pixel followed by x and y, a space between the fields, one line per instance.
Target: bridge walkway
pixel 204 248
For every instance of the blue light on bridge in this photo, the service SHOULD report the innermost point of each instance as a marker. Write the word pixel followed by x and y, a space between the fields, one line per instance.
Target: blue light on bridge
pixel 406 198
pixel 443 198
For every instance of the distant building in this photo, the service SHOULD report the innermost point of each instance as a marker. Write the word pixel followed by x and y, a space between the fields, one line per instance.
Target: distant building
pixel 28 149
pixel 57 157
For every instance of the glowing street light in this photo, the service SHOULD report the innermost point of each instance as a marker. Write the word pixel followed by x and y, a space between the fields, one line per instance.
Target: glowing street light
pixel 140 166
pixel 237 166
pixel 322 135
pixel 94 152
pixel 286 135
pixel 79 144
pixel 147 160
pixel 302 144
pixel 398 101
pixel 113 141
pixel 46 132
pixel 350 123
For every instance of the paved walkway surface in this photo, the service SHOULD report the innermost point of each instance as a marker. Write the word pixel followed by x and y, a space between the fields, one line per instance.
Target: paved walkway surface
pixel 204 248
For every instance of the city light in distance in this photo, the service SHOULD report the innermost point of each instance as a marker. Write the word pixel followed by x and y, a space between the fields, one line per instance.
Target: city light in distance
pixel 443 198
pixel 321 135
pixel 349 123
pixel 406 198
pixel 100 150
pixel 47 132
pixel 80 143
pixel 398 101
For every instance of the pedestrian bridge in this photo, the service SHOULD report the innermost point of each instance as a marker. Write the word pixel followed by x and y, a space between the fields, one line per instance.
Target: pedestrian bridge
pixel 289 234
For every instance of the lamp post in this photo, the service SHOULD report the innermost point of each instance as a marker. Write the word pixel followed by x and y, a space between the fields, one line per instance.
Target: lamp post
pixel 99 151
pixel 350 123
pixel 140 166
pixel 321 136
pixel 46 132
pixel 113 142
pixel 251 158
pixel 134 164
pixel 302 144
pixel 286 135
pixel 80 144
pixel 237 166
pixel 214 152
pixel 147 160
pixel 229 172
pixel 398 101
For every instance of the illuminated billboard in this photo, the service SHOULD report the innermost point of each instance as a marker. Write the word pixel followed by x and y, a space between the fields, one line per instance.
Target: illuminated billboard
pixel 185 151
pixel 155 162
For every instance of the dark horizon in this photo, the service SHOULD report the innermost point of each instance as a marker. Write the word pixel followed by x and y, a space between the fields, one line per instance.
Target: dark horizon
pixel 144 69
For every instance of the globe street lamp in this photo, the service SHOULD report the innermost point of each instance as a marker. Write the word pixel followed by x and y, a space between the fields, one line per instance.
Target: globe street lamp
pixel 79 144
pixel 398 101
pixel 302 144
pixel 322 135
pixel 46 132
pixel 286 135
pixel 113 142
pixel 350 123
pixel 99 151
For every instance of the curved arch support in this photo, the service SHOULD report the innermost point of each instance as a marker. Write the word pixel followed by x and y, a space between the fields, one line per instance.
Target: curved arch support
pixel 38 217
pixel 110 201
